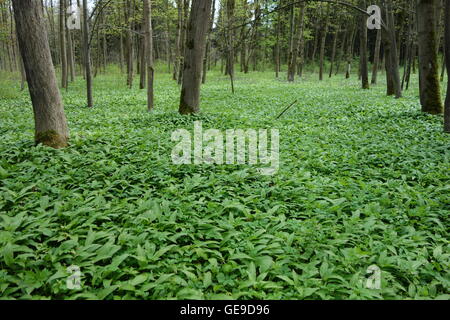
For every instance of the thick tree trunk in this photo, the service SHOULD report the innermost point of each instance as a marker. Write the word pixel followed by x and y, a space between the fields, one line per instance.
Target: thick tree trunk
pixel 195 49
pixel 50 121
pixel 430 96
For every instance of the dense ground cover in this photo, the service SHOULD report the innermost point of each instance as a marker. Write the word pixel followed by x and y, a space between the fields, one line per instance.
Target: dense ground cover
pixel 364 179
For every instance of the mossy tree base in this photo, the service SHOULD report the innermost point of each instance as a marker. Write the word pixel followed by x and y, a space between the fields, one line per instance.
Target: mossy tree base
pixel 51 139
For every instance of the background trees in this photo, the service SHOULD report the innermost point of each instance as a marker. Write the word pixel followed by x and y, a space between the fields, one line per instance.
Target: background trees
pixel 287 36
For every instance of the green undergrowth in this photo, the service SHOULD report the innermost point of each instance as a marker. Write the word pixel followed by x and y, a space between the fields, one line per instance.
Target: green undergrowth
pixel 363 180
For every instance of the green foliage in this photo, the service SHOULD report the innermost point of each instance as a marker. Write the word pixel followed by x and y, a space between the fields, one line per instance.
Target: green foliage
pixel 364 179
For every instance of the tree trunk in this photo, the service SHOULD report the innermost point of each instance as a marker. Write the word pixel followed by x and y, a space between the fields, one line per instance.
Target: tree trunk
pixel 349 55
pixel 195 49
pixel 277 43
pixel 392 65
pixel 183 40
pixel 50 121
pixel 430 96
pixel 322 43
pixel 142 59
pixel 364 69
pixel 177 62
pixel 376 58
pixel 87 55
pixel 70 55
pixel 62 42
pixel 333 52
pixel 297 35
pixel 208 42
pixel 447 62
pixel 130 47
pixel 149 52
pixel 341 52
pixel 230 4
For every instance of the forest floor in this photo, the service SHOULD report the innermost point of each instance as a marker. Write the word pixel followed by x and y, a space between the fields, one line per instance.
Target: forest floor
pixel 364 179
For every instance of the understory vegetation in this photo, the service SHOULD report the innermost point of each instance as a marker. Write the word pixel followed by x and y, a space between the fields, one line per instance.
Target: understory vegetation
pixel 364 179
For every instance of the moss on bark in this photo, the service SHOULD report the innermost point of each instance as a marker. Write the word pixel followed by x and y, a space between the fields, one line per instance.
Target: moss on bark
pixel 51 138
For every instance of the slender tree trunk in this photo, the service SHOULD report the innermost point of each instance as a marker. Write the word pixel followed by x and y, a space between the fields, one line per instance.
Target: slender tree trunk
pixel 143 59
pixel 130 47
pixel 277 43
pixel 430 96
pixel 51 18
pixel 390 90
pixel 408 48
pixel 291 57
pixel 322 43
pixel 62 42
pixel 121 59
pixel 392 65
pixel 230 4
pixel 447 59
pixel 208 42
pixel 50 121
pixel 176 65
pixel 301 47
pixel 316 41
pixel 349 55
pixel 363 49
pixel 70 55
pixel 87 55
pixel 341 52
pixel 104 46
pixel 195 49
pixel 183 40
pixel 333 52
pixel 376 58
pixel 297 35
pixel 149 53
